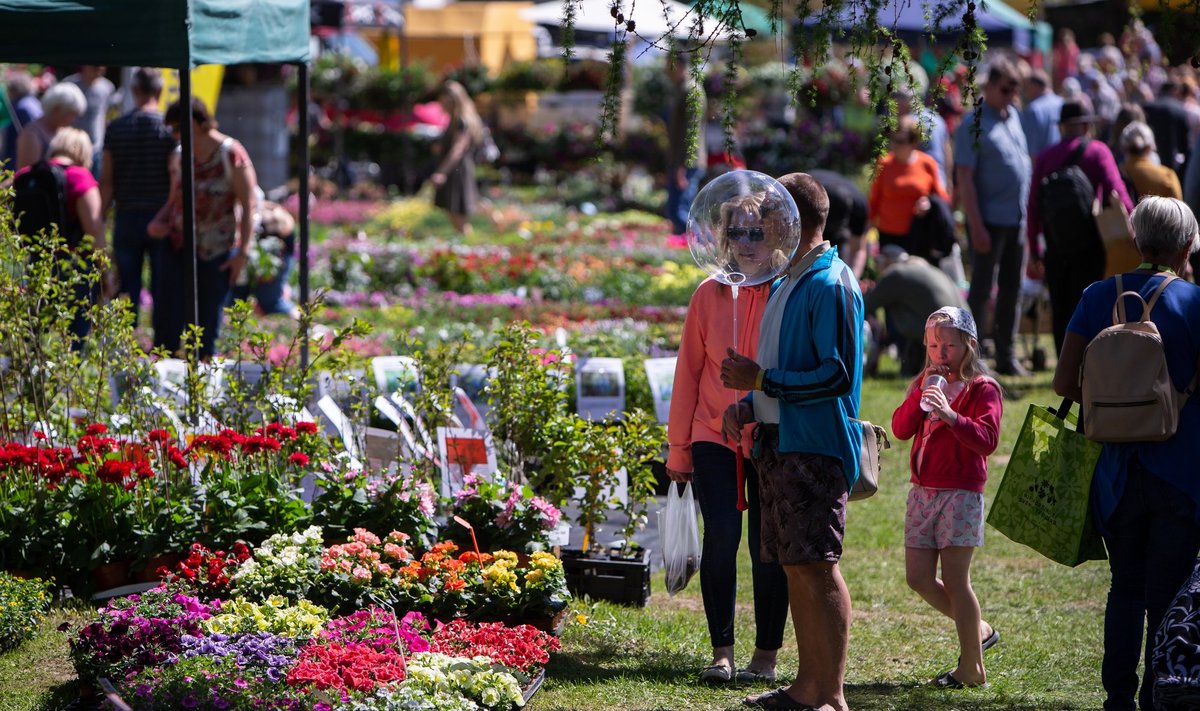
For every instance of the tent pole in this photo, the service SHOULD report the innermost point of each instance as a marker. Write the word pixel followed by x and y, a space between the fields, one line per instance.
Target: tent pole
pixel 191 295
pixel 302 114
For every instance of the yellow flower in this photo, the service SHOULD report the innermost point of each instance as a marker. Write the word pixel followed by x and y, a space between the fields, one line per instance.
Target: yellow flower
pixel 581 619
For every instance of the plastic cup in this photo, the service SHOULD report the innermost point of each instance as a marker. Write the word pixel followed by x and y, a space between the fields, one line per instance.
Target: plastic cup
pixel 933 381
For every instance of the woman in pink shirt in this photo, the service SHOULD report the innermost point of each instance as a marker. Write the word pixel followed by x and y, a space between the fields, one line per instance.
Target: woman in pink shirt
pixel 699 453
pixel 71 150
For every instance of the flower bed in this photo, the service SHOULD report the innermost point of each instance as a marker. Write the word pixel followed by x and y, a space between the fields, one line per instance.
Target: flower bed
pixel 167 649
pixel 440 582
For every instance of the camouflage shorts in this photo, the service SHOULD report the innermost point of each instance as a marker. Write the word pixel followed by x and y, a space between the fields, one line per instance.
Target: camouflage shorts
pixel 803 503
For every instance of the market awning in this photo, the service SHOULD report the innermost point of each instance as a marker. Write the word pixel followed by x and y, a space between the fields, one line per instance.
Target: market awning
pixel 155 34
pixel 169 33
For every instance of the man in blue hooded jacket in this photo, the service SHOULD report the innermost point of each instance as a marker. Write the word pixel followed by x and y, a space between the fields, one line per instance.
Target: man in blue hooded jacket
pixel 805 391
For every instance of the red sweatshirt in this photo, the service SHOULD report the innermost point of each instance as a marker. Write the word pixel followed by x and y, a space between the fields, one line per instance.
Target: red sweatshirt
pixel 956 455
pixel 698 399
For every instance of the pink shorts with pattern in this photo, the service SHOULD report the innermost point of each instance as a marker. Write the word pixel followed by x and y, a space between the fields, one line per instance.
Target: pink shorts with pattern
pixel 941 518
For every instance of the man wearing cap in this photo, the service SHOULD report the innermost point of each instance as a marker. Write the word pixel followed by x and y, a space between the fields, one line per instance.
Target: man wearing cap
pixel 1069 270
pixel 992 182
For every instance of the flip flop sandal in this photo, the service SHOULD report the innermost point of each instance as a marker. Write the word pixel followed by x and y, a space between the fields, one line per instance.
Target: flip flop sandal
pixel 716 674
pixel 750 676
pixel 777 699
pixel 992 639
pixel 947 681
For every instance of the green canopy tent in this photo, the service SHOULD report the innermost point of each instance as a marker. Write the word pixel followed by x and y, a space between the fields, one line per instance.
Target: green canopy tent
pixel 177 34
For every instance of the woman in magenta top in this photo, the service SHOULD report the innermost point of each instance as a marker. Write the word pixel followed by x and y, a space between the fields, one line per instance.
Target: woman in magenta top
pixel 700 454
pixel 72 150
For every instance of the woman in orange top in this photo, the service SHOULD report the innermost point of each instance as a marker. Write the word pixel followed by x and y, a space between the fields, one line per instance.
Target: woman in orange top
pixel 904 182
pixel 699 452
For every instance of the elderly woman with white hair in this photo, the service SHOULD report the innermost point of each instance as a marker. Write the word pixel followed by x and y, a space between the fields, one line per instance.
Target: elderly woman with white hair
pixel 61 105
pixel 1147 176
pixel 1145 495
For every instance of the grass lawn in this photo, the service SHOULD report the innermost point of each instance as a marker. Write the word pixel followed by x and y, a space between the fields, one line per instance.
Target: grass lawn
pixel 1049 618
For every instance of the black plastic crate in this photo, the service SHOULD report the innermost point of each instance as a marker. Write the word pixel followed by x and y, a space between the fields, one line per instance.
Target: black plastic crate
pixel 618 580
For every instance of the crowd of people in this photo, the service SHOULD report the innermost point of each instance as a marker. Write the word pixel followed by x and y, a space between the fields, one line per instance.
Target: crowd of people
pixel 992 205
pixel 800 358
pixel 1114 129
pixel 126 173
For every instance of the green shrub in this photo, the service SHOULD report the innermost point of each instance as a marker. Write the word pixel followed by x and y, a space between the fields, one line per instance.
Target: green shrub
pixel 23 606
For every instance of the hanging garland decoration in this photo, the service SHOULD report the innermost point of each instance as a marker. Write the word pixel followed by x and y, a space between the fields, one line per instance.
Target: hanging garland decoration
pixel 875 47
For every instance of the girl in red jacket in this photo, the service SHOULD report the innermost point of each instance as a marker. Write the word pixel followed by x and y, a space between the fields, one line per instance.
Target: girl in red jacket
pixel 949 467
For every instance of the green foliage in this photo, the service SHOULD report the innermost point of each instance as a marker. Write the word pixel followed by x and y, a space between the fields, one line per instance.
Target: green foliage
pixel 473 78
pixel 23 606
pixel 390 89
pixel 533 75
pixel 589 456
pixel 526 389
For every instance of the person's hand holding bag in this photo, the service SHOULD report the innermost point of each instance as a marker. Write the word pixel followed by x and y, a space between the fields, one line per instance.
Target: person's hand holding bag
pixel 680 537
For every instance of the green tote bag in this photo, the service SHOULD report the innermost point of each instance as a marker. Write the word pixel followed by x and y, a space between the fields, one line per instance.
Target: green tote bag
pixel 1044 500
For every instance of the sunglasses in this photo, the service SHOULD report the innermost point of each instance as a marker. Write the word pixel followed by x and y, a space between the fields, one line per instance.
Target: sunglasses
pixel 737 234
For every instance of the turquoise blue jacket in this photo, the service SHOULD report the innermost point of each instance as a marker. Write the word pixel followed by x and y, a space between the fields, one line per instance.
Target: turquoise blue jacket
pixel 819 379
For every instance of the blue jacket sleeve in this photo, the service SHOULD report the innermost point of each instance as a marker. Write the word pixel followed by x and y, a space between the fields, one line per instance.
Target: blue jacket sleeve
pixel 834 324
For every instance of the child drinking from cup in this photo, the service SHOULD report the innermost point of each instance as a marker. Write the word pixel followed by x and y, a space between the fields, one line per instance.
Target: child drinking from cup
pixel 955 424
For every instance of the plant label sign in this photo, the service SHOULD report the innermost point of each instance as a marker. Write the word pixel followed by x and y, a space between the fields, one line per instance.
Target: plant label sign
pixel 600 388
pixel 472 378
pixel 661 374
pixel 560 535
pixel 463 451
pixel 336 420
pixel 395 374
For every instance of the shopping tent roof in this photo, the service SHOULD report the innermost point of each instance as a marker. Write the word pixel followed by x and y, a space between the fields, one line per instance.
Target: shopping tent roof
pixel 161 33
pixel 910 18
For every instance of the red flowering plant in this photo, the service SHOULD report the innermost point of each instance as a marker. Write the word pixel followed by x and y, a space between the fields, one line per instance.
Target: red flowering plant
pixel 206 572
pixel 250 485
pixel 124 499
pixel 521 648
pixel 354 666
pixel 31 479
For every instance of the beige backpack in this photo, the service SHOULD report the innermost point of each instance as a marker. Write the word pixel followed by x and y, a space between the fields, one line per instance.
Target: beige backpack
pixel 1128 395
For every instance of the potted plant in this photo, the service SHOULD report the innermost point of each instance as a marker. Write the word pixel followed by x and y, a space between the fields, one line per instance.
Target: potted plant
pixel 353 499
pixel 590 456
pixel 502 514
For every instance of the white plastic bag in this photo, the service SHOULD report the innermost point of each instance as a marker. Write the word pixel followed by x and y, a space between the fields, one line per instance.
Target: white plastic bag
pixel 680 537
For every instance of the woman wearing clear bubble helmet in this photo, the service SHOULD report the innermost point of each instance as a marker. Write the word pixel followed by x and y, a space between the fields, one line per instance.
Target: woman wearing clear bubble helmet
pixel 746 239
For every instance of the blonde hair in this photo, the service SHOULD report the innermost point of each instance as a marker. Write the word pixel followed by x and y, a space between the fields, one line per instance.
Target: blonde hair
pixel 74 144
pixel 972 365
pixel 461 107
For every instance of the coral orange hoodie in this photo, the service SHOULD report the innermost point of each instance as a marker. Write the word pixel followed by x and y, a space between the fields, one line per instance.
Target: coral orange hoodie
pixel 698 399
